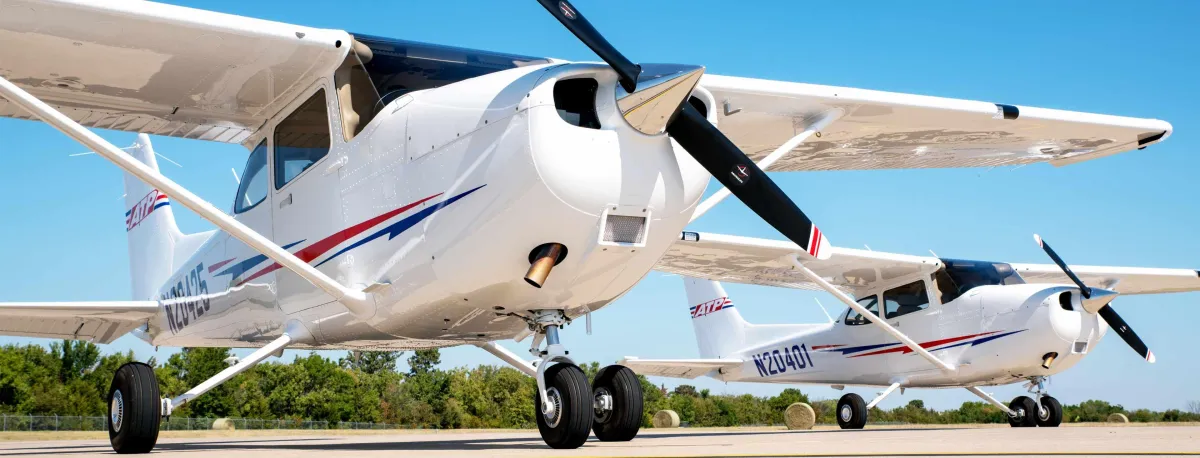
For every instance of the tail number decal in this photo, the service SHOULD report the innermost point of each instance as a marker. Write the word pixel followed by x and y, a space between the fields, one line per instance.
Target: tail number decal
pixel 782 360
pixel 187 300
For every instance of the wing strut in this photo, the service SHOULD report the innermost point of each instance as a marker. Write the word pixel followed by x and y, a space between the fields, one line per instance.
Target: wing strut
pixel 823 121
pixel 360 304
pixel 846 299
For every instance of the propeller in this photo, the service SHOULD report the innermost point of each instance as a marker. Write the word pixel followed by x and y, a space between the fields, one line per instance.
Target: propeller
pixel 711 148
pixel 1093 297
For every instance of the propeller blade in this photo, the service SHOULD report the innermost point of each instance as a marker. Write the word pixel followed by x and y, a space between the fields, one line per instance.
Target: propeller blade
pixel 1083 288
pixel 1106 312
pixel 578 25
pixel 1122 328
pixel 744 179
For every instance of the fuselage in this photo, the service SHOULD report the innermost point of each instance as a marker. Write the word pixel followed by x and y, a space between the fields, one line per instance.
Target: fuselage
pixel 435 206
pixel 991 335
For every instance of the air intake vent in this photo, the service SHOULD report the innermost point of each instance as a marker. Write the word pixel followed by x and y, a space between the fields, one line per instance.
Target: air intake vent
pixel 624 229
pixel 1080 347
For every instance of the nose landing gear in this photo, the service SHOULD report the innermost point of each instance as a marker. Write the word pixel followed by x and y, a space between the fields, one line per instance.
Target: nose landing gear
pixel 568 407
pixel 1041 410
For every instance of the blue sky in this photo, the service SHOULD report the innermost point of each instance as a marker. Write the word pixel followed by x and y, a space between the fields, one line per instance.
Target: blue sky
pixel 63 223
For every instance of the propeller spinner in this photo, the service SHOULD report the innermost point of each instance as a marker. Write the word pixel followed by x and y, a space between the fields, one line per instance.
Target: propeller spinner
pixel 683 122
pixel 1097 300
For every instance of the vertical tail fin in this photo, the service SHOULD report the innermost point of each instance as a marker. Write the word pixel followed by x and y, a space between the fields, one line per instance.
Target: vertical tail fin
pixel 720 329
pixel 150 227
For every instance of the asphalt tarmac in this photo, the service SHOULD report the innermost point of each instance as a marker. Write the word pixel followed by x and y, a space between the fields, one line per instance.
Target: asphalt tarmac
pixel 949 441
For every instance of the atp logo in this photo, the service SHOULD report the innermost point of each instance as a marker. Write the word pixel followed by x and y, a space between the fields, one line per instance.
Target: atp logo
pixel 713 306
pixel 153 201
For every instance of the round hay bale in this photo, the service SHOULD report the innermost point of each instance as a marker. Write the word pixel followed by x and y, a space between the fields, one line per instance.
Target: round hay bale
pixel 666 419
pixel 799 416
pixel 223 424
pixel 1118 418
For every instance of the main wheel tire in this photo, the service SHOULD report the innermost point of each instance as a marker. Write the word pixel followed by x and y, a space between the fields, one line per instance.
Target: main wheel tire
pixel 851 412
pixel 572 398
pixel 135 409
pixel 1050 415
pixel 1026 411
pixel 625 419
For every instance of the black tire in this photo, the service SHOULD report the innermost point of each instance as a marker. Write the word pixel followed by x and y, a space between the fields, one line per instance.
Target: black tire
pixel 625 419
pixel 851 412
pixel 1026 411
pixel 135 409
pixel 1050 416
pixel 572 422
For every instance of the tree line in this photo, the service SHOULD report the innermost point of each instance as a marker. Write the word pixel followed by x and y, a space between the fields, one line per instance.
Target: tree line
pixel 72 378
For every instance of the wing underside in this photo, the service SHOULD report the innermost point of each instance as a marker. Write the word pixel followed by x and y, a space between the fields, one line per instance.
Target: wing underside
pixel 756 261
pixel 160 69
pixel 1125 280
pixel 885 130
pixel 99 322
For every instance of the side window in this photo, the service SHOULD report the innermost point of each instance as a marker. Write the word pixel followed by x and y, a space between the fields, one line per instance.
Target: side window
pixel 301 139
pixel 905 299
pixel 871 303
pixel 252 187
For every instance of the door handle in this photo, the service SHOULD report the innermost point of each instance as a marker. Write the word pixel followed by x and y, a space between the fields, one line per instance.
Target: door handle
pixel 286 201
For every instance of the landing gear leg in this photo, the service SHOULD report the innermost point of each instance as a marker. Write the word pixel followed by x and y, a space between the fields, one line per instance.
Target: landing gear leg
pixel 564 398
pixel 1049 412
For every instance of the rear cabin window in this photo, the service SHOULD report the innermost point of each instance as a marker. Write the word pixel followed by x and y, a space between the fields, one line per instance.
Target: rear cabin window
pixel 252 188
pixel 905 299
pixel 301 139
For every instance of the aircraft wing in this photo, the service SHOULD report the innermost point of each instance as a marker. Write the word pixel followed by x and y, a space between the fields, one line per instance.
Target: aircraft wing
pixel 1125 280
pixel 99 322
pixel 886 130
pixel 764 262
pixel 678 368
pixel 160 69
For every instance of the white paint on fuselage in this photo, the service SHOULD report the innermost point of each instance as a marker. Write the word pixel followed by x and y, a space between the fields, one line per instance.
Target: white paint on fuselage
pixel 1031 312
pixel 543 180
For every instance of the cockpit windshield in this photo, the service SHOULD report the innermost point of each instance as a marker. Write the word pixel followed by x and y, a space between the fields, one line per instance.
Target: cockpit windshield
pixel 957 276
pixel 398 67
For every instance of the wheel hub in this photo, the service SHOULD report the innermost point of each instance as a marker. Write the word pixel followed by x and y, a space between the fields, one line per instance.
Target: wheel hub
pixel 116 410
pixel 1044 414
pixel 555 414
pixel 846 413
pixel 602 404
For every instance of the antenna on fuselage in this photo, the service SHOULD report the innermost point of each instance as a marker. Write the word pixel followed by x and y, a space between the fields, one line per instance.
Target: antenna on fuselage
pixel 819 304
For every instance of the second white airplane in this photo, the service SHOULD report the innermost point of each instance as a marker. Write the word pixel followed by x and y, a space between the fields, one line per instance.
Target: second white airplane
pixel 973 323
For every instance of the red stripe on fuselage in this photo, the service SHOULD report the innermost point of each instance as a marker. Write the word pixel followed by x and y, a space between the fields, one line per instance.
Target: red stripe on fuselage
pixel 324 245
pixel 214 267
pixel 934 343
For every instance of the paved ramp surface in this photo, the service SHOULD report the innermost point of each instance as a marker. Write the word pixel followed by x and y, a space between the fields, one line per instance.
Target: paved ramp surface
pixel 1073 441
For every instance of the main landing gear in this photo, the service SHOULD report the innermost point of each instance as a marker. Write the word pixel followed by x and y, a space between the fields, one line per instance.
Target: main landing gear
pixel 135 409
pixel 568 407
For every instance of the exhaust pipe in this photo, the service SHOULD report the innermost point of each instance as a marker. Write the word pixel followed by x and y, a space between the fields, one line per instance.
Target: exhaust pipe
pixel 1048 359
pixel 541 260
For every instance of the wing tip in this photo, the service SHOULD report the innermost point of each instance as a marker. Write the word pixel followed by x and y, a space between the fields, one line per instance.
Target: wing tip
pixel 1150 357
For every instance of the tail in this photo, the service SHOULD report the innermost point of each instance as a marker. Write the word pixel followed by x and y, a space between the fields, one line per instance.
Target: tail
pixel 720 329
pixel 150 226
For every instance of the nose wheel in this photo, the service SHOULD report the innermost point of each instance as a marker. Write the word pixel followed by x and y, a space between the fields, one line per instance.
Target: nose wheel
pixel 617 403
pixel 563 402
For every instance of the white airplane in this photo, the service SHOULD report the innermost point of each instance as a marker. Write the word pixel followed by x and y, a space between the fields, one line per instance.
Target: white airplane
pixel 944 322
pixel 401 195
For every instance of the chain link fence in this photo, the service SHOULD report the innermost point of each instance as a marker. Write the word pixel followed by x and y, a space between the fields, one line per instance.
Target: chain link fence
pixel 10 422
